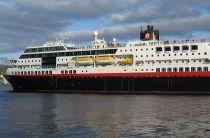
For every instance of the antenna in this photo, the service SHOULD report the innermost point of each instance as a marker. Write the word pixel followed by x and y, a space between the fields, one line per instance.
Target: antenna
pixel 96 34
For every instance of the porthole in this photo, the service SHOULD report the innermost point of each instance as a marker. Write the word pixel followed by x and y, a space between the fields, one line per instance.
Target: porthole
pixel 205 53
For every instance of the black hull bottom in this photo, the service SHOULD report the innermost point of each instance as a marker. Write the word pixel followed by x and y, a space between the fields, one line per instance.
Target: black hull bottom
pixel 112 85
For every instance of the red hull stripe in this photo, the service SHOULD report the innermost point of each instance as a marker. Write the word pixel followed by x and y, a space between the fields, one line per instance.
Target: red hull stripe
pixel 135 75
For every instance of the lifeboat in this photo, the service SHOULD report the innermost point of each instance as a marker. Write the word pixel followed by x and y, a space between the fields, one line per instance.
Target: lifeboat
pixel 126 61
pixel 106 60
pixel 87 60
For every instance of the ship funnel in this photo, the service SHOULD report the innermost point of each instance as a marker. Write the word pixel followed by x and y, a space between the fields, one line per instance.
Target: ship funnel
pixel 149 34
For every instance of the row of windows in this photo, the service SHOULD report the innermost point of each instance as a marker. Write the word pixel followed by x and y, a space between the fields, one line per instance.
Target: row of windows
pixel 181 69
pixel 75 53
pixel 68 72
pixel 31 72
pixel 44 49
pixel 181 54
pixel 177 48
pixel 29 61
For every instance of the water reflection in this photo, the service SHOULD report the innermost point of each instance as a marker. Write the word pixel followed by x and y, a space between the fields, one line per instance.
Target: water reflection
pixel 71 115
pixel 48 115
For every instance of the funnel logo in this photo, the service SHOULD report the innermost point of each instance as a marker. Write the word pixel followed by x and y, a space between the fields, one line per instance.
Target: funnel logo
pixel 147 36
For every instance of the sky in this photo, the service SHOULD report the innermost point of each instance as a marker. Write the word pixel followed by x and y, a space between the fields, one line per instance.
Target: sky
pixel 26 22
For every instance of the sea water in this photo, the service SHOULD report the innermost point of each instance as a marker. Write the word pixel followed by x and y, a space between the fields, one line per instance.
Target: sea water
pixel 79 115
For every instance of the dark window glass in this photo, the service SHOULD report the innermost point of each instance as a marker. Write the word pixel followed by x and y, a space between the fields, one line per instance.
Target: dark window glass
pixel 194 47
pixel 163 69
pixel 181 69
pixel 169 69
pixel 199 69
pixel 159 49
pixel 176 48
pixel 167 48
pixel 174 69
pixel 192 68
pixel 157 69
pixel 205 69
pixel 187 69
pixel 185 47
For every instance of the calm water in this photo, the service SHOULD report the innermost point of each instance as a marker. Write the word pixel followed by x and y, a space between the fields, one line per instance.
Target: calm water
pixel 71 115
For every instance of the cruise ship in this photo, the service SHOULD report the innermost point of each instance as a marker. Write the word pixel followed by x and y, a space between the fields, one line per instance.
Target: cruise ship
pixel 147 65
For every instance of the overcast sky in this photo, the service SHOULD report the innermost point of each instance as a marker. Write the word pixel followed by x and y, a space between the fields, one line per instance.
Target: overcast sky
pixel 24 22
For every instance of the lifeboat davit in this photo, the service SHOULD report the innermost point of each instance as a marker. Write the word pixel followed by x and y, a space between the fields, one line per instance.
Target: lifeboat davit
pixel 87 60
pixel 106 60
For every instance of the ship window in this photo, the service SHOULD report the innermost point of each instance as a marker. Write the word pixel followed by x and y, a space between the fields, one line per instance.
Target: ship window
pixel 199 53
pixel 28 72
pixel 66 71
pixel 199 69
pixel 176 48
pixel 167 48
pixel 205 69
pixel 194 47
pixel 174 69
pixel 163 69
pixel 50 72
pixel 42 72
pixel 35 72
pixel 205 53
pixel 70 71
pixel 39 72
pixel 187 69
pixel 62 71
pixel 192 68
pixel 46 72
pixel 159 49
pixel 74 71
pixel 181 69
pixel 193 54
pixel 185 48
pixel 169 69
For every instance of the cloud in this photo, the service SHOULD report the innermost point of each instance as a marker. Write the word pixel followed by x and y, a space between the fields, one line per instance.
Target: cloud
pixel 27 21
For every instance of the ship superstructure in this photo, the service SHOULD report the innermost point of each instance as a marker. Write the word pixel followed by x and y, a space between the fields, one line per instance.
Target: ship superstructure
pixel 141 65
